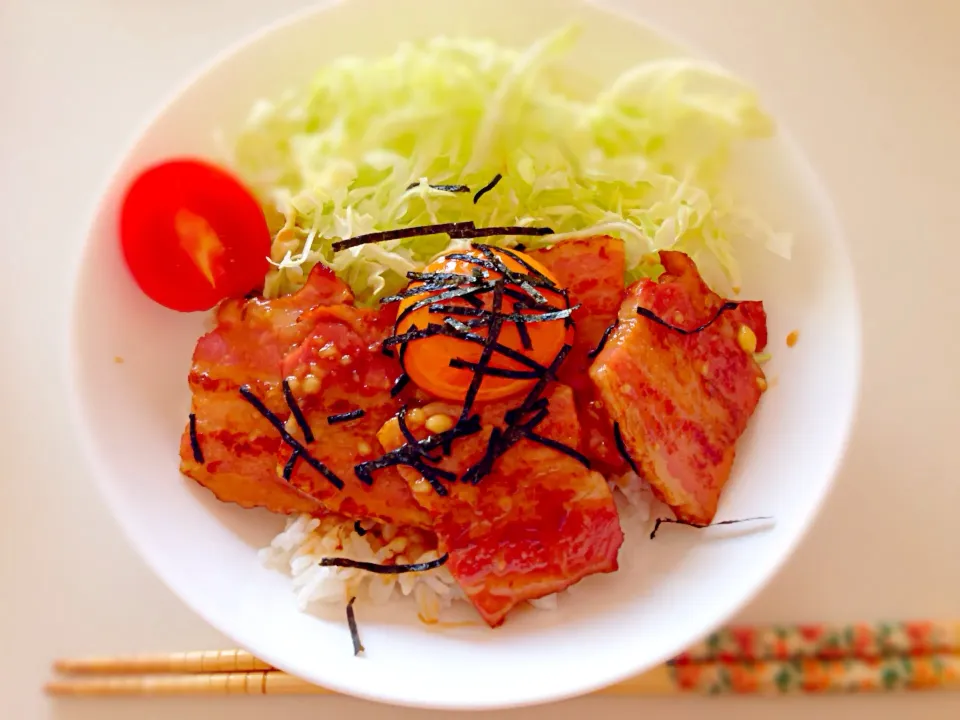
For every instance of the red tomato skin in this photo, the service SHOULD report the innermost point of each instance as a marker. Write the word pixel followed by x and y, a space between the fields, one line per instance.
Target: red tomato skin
pixel 153 250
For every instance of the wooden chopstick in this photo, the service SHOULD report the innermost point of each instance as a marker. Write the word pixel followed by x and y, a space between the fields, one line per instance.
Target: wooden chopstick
pixel 207 661
pixel 908 655
pixel 928 672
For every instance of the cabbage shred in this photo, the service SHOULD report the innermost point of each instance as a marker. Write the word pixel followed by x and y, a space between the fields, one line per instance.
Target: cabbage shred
pixel 642 159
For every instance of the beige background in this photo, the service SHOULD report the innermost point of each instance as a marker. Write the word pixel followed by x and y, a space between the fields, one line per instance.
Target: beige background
pixel 869 88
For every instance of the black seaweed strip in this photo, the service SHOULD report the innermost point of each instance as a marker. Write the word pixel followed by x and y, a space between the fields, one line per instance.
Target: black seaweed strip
pixel 297 412
pixel 381 569
pixel 194 440
pixel 446 188
pixel 651 316
pixel 414 334
pixel 700 526
pixel 527 266
pixel 522 331
pixel 494 371
pixel 524 298
pixel 386 351
pixel 407 454
pixel 441 276
pixel 509 317
pixel 498 444
pixel 511 417
pixel 409 436
pixel 399 384
pixel 428 286
pixel 416 231
pixel 354 632
pixel 359 529
pixel 557 445
pixel 493 335
pixel 603 339
pixel 458 292
pixel 345 416
pixel 257 403
pixel 487 188
pixel 291 464
pixel 622 448
pixel 499 348
pixel 534 395
pixel 504 230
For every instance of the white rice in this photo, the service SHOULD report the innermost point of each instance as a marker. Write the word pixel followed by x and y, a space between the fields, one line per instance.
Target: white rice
pixel 306 540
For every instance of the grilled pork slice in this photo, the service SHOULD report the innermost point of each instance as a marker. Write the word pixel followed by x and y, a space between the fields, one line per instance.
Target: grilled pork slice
pixel 538 522
pixel 592 271
pixel 682 399
pixel 340 368
pixel 237 445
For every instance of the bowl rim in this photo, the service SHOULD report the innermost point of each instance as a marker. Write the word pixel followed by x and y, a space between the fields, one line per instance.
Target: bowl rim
pixel 72 374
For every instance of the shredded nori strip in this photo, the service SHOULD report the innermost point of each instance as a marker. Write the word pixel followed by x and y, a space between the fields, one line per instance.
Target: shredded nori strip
pixel 409 436
pixel 487 315
pixel 460 330
pixel 527 266
pixel 354 632
pixel 622 448
pixel 291 464
pixel 493 334
pixel 603 339
pixel 729 305
pixel 345 416
pixel 399 385
pixel 701 526
pixel 399 233
pixel 494 371
pixel 257 403
pixel 523 333
pixel 458 292
pixel 380 569
pixel 359 529
pixel 487 188
pixel 431 285
pixel 194 440
pixel 410 454
pixel 557 445
pixel 297 412
pixel 445 188
pixel 476 232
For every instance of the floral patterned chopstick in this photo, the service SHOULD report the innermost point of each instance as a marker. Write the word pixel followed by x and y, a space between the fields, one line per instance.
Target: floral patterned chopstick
pixel 828 642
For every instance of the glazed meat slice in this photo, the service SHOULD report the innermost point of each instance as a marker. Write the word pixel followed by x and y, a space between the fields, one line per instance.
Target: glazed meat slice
pixel 680 400
pixel 537 523
pixel 592 270
pixel 237 444
pixel 340 368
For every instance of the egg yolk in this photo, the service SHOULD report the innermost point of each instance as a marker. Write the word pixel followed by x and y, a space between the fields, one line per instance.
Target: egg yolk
pixel 427 361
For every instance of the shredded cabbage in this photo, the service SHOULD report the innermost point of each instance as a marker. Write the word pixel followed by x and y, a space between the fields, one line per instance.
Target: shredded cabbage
pixel 642 159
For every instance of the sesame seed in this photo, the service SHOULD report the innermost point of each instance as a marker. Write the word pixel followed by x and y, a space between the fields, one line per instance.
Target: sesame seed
pixel 364 447
pixel 415 416
pixel 439 423
pixel 345 360
pixel 762 383
pixel 311 384
pixel 792 337
pixel 290 425
pixel 747 339
pixel 117 359
pixel 294 382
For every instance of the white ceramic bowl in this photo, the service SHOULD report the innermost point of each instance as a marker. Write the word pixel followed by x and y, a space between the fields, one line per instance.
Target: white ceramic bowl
pixel 670 591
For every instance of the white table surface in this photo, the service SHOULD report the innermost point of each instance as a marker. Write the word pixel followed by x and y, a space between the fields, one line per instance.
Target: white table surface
pixel 870 89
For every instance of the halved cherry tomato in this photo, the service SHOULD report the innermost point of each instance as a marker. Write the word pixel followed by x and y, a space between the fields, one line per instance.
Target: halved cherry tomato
pixel 193 235
pixel 427 360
